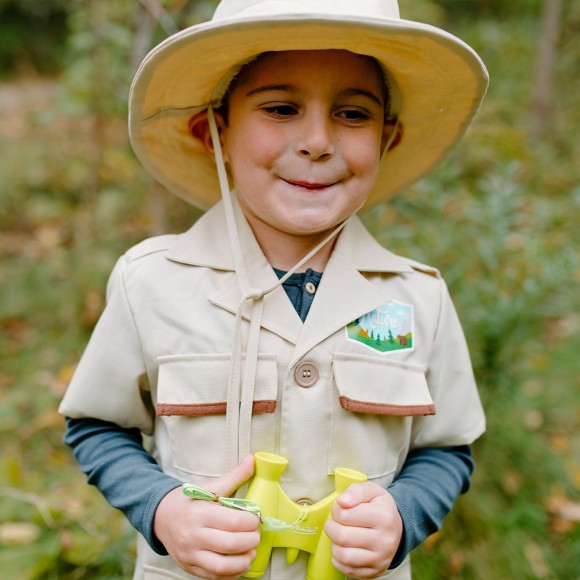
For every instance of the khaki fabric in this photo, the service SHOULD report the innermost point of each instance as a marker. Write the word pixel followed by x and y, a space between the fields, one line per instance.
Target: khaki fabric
pixel 163 345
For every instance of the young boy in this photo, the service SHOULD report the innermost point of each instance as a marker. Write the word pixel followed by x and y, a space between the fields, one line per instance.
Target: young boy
pixel 359 361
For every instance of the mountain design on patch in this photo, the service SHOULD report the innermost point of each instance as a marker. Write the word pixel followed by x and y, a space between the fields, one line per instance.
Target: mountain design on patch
pixel 386 329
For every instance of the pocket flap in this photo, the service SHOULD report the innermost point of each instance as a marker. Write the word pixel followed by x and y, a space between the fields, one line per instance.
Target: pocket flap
pixel 197 385
pixel 379 386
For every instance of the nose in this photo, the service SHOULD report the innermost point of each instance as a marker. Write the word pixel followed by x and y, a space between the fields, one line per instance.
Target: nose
pixel 315 140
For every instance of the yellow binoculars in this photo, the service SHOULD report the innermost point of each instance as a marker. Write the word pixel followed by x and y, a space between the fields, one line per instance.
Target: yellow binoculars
pixel 305 523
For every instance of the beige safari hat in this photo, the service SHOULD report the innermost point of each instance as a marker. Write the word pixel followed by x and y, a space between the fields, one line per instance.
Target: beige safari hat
pixel 437 81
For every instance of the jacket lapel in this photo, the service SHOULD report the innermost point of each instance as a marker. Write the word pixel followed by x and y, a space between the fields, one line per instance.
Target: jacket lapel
pixel 207 244
pixel 344 293
pixel 278 315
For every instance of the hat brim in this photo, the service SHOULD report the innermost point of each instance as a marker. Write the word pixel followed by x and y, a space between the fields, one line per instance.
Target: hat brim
pixel 441 81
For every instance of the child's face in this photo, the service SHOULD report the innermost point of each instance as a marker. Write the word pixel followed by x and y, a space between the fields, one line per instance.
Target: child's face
pixel 304 138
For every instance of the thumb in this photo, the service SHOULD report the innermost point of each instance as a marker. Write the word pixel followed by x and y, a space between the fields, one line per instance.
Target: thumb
pixel 359 493
pixel 227 484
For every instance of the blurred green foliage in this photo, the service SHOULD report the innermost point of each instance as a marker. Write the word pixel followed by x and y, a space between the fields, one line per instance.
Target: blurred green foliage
pixel 32 35
pixel 499 218
pixel 495 9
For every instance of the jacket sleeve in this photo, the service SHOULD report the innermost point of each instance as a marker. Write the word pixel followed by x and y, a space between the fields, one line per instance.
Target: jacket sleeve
pixel 459 417
pixel 110 382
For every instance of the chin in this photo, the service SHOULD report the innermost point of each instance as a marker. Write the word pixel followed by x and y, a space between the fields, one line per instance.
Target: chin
pixel 311 228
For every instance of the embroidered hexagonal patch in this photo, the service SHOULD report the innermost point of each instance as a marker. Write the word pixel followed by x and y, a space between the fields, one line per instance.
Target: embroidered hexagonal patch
pixel 386 329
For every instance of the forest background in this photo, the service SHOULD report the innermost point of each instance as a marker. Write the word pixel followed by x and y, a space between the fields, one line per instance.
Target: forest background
pixel 499 218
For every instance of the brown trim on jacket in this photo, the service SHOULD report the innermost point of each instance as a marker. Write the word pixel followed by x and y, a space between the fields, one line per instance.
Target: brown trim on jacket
pixel 369 408
pixel 206 409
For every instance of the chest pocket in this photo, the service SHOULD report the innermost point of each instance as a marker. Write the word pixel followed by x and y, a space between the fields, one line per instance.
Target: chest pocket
pixel 373 413
pixel 191 402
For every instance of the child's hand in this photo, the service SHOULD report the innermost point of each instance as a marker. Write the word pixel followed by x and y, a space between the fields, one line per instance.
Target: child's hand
pixel 365 530
pixel 204 538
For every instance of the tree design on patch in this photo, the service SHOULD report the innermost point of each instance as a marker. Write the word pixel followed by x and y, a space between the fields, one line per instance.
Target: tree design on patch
pixel 386 329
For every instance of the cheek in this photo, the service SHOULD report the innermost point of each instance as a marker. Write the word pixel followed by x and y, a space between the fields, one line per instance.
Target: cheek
pixel 255 151
pixel 365 159
pixel 363 145
pixel 267 146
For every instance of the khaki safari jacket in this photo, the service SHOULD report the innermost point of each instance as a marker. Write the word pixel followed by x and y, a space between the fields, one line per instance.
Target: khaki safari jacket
pixel 159 360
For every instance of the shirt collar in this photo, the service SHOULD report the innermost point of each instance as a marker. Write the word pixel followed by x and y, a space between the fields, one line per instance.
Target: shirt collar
pixel 207 244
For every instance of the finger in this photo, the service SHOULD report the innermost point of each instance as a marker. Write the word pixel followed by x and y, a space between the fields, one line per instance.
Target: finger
pixel 373 546
pixel 380 512
pixel 350 536
pixel 227 484
pixel 362 515
pixel 223 542
pixel 353 572
pixel 217 566
pixel 359 562
pixel 215 516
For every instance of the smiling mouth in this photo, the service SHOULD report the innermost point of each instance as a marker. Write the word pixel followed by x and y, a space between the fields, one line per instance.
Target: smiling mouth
pixel 309 185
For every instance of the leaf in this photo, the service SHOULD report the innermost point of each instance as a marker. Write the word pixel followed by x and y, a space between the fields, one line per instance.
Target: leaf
pixel 19 533
pixel 559 444
pixel 564 509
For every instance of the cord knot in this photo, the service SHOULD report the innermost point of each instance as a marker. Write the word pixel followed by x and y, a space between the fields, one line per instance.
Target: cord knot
pixel 254 294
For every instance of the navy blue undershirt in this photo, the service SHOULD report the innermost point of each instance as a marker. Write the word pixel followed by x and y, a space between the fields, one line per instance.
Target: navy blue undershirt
pixel 297 287
pixel 115 461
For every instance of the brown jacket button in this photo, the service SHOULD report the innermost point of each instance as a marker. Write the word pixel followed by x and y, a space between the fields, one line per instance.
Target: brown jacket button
pixel 306 374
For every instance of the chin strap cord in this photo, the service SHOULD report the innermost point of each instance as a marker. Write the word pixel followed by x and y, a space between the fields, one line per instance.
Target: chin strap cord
pixel 240 398
pixel 392 136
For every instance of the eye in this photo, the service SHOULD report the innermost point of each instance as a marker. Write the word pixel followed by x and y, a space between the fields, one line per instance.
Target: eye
pixel 280 111
pixel 354 115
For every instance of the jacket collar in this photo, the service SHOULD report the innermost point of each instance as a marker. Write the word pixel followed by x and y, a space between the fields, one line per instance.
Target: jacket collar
pixel 206 244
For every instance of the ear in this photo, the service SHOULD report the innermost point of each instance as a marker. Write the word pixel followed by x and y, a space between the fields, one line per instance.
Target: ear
pixel 200 130
pixel 388 138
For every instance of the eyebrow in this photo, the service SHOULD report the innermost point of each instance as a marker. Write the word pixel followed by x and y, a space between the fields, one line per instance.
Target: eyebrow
pixel 363 93
pixel 347 93
pixel 268 88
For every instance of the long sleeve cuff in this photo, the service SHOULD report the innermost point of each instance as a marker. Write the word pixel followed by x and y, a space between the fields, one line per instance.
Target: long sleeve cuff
pixel 115 461
pixel 426 489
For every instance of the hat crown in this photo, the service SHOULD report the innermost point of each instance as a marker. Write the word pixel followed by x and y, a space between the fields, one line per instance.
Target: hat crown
pixel 270 8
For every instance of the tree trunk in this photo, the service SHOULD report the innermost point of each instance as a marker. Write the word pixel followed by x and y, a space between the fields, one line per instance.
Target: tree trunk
pixel 143 35
pixel 543 97
pixel 144 25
